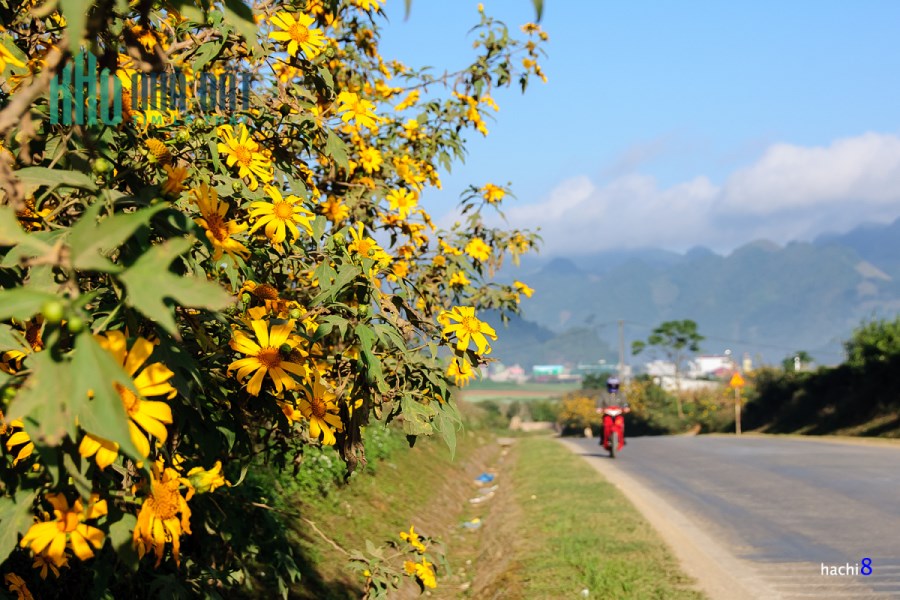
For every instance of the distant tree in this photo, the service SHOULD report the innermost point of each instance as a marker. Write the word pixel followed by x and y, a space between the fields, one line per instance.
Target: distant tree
pixel 593 381
pixel 796 360
pixel 676 340
pixel 874 342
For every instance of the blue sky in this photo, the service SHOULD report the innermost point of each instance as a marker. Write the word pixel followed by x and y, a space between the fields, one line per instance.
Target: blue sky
pixel 678 124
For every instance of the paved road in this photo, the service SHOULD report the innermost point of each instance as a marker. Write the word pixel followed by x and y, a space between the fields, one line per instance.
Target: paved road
pixel 782 506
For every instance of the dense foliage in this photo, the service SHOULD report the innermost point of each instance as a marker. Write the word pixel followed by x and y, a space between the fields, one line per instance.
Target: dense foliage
pixel 201 286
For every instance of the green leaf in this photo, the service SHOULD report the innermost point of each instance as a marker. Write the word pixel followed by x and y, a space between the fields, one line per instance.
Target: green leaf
pixel 416 417
pixel 95 371
pixel 89 241
pixel 206 53
pixel 240 17
pixel 336 149
pixel 150 283
pixel 37 244
pixel 538 9
pixel 44 403
pixel 447 421
pixel 15 518
pixel 10 339
pixel 372 364
pixel 344 276
pixel 76 14
pixel 120 537
pixel 23 303
pixel 53 178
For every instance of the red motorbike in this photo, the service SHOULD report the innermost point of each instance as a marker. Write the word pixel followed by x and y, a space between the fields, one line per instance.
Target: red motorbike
pixel 613 433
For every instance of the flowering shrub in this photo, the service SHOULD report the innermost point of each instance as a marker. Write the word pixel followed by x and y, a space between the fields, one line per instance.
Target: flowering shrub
pixel 214 251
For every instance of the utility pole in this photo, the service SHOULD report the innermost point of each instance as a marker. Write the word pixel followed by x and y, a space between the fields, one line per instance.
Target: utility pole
pixel 621 348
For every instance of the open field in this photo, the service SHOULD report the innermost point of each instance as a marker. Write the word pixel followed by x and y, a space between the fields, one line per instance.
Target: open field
pixel 507 392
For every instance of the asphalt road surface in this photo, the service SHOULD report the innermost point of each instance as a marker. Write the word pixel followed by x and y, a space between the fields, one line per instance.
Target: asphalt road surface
pixel 782 507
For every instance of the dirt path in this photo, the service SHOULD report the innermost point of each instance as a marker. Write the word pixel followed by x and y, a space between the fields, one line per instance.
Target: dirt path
pixel 719 574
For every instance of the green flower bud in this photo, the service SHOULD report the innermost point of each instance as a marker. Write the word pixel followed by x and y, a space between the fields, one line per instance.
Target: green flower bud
pixel 101 166
pixel 75 324
pixel 53 311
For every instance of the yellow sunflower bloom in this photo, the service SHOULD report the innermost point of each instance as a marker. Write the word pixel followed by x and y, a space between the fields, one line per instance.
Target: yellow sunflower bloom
pixel 335 210
pixel 492 193
pixel 174 183
pixel 365 246
pixel 18 439
pixel 103 450
pixel 410 100
pixel 461 371
pixel 145 415
pixel 296 32
pixel 265 356
pixel 459 279
pixel 422 571
pixel 477 249
pixel 523 289
pixel 243 151
pixel 413 538
pixel 320 409
pixel 16 585
pixel 279 216
pixel 158 521
pixel 367 5
pixel 354 108
pixel 403 201
pixel 204 481
pixel 467 327
pixel 212 220
pixel 370 159
pixel 68 528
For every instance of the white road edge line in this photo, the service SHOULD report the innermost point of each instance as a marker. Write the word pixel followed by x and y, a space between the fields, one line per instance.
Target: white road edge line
pixel 719 574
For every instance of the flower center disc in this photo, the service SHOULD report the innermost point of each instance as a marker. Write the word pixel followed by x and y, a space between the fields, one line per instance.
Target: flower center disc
pixel 318 408
pixel 471 325
pixel 163 500
pixel 299 33
pixel 269 357
pixel 243 155
pixel 130 401
pixel 217 227
pixel 284 210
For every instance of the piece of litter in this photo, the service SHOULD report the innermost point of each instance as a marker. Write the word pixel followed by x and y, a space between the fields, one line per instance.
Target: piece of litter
pixel 473 524
pixel 484 478
pixel 585 593
pixel 480 499
pixel 490 490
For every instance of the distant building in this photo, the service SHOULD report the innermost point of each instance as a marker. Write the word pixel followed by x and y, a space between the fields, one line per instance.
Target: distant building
pixel 513 374
pixel 710 366
pixel 547 370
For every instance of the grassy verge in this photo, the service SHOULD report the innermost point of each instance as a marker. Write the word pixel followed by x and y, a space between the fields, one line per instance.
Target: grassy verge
pixel 406 486
pixel 578 532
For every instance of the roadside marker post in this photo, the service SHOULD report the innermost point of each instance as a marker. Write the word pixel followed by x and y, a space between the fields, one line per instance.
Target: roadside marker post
pixel 736 383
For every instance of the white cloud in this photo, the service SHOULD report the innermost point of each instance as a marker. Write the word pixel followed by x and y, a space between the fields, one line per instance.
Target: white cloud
pixel 791 192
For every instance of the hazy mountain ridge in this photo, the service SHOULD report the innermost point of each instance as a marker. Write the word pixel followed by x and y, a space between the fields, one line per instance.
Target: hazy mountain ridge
pixel 762 298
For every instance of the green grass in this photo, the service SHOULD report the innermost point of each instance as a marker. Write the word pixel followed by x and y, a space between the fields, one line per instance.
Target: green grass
pixel 578 532
pixel 404 487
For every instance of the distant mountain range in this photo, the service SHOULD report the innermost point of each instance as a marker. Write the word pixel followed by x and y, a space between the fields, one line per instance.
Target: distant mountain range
pixel 762 299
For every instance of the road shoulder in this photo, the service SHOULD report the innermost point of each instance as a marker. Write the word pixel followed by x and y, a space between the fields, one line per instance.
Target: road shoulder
pixel 719 574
